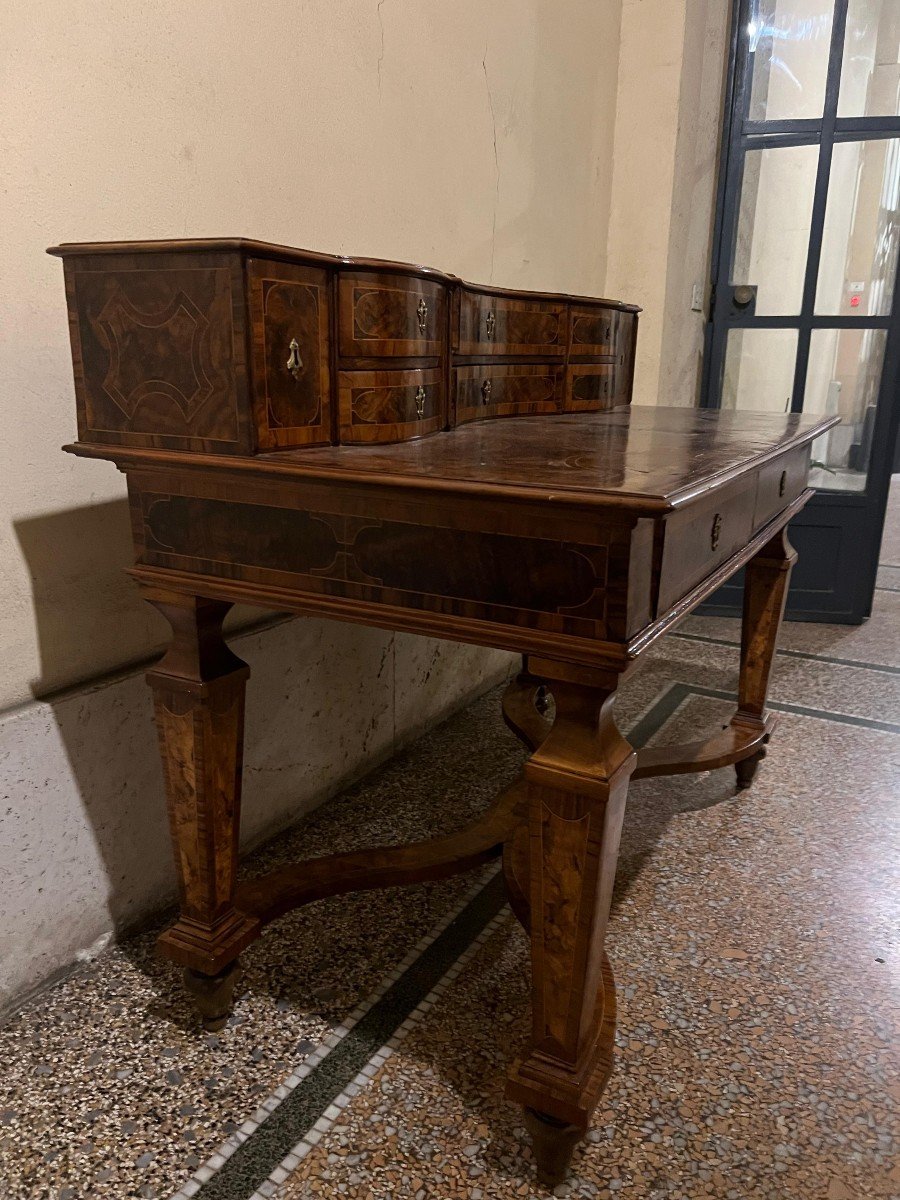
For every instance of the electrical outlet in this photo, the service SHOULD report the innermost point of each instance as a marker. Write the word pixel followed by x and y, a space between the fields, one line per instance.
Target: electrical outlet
pixel 697 298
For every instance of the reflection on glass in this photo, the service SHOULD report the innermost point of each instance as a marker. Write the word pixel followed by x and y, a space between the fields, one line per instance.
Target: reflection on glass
pixel 773 226
pixel 862 224
pixel 759 369
pixel 789 41
pixel 844 377
pixel 870 72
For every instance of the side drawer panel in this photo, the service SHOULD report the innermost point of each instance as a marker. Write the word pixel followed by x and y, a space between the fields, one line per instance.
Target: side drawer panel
pixel 391 315
pixel 702 536
pixel 290 353
pixel 521 389
pixel 489 324
pixel 390 406
pixel 780 482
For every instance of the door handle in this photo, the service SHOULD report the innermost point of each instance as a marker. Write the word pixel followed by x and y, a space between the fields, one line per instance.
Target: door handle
pixel 744 294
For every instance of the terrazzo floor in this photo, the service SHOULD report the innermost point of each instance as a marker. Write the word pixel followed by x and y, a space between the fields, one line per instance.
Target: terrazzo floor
pixel 753 936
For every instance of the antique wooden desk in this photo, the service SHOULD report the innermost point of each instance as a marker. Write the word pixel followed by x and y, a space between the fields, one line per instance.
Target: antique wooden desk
pixel 317 435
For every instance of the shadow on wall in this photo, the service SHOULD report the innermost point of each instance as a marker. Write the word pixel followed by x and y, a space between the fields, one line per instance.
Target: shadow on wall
pixel 90 618
pixel 86 813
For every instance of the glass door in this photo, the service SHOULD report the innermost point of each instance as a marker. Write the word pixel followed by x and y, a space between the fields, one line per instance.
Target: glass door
pixel 804 316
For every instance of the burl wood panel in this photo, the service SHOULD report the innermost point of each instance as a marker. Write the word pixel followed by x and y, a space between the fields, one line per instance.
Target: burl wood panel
pixel 495 390
pixel 594 330
pixel 518 581
pixel 390 406
pixel 291 384
pixel 158 353
pixel 591 387
pixel 495 324
pixel 385 314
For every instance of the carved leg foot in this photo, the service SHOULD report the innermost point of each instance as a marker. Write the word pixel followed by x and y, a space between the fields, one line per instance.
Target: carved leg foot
pixel 767 578
pixel 746 768
pixel 213 995
pixel 554 1143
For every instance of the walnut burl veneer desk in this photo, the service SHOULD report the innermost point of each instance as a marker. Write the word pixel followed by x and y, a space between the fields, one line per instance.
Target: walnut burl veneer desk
pixel 387 444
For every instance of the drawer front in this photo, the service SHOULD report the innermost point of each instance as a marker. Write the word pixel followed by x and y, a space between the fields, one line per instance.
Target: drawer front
pixel 779 483
pixel 390 406
pixel 593 387
pixel 699 538
pixel 497 325
pixel 382 315
pixel 595 330
pixel 290 353
pixel 519 390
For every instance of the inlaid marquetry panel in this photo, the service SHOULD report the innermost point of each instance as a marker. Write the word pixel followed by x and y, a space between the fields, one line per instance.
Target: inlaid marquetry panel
pixel 591 387
pixel 517 389
pixel 485 575
pixel 155 357
pixel 489 324
pixel 290 336
pixel 385 314
pixel 595 330
pixel 390 406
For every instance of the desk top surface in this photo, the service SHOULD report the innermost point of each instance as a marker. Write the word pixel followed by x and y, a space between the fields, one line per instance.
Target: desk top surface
pixel 650 459
pixel 657 457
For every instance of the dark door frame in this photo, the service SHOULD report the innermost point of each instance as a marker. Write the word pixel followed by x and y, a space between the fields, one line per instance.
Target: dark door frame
pixel 864 511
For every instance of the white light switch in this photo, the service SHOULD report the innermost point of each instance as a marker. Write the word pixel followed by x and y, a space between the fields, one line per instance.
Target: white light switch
pixel 697 298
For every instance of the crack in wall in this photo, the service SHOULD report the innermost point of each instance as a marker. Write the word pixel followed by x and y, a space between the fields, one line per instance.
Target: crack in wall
pixel 381 55
pixel 496 161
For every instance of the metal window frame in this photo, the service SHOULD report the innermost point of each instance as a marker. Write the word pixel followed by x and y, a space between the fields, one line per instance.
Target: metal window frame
pixel 739 134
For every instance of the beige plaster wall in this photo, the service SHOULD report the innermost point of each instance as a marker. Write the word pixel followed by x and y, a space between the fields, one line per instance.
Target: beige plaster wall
pixel 668 125
pixel 475 137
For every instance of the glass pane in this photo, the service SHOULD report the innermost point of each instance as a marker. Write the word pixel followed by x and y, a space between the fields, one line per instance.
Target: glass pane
pixel 759 369
pixel 773 226
pixel 789 40
pixel 870 73
pixel 844 377
pixel 859 241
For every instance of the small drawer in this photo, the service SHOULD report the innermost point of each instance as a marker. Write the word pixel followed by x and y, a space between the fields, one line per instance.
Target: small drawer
pixel 519 390
pixel 390 406
pixel 596 331
pixel 593 387
pixel 702 536
pixel 502 325
pixel 779 483
pixel 383 315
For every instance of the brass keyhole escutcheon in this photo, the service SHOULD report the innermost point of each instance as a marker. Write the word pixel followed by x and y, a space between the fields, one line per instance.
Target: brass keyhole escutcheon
pixel 490 322
pixel 422 314
pixel 782 483
pixel 420 402
pixel 715 532
pixel 486 389
pixel 295 362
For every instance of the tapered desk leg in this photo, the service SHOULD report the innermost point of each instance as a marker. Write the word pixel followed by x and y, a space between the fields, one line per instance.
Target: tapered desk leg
pixel 576 785
pixel 767 577
pixel 199 701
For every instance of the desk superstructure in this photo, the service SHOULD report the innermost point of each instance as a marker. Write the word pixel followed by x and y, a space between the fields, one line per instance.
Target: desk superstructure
pixel 389 445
